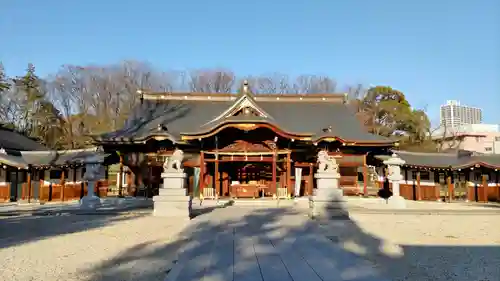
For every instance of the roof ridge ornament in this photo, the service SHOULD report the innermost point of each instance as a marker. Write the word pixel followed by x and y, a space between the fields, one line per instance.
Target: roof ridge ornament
pixel 245 102
pixel 245 87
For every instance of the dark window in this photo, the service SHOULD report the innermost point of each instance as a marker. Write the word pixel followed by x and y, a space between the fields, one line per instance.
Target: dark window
pixel 425 175
pixel 55 174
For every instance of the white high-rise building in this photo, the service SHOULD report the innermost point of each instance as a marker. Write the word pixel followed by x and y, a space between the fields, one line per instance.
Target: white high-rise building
pixel 454 115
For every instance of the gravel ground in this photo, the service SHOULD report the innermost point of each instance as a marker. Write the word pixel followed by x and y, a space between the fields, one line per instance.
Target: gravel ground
pixel 426 247
pixel 138 246
pixel 87 247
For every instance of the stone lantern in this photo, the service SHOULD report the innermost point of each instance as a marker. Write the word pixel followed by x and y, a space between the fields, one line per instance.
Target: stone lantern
pixel 395 177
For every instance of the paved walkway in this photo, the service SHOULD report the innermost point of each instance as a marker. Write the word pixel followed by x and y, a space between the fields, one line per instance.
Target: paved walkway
pixel 268 245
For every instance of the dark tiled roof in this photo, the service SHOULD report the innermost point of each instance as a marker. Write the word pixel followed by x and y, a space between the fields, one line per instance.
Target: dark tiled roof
pixel 178 117
pixel 175 115
pixel 11 140
pixel 446 160
pixel 47 158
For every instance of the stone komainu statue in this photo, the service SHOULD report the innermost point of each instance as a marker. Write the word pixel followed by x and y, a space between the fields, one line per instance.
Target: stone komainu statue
pixel 327 163
pixel 174 162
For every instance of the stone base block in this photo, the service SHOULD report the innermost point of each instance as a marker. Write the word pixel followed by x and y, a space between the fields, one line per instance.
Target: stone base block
pixel 172 206
pixel 328 210
pixel 90 202
pixel 173 180
pixel 165 192
pixel 396 202
pixel 328 195
pixel 327 180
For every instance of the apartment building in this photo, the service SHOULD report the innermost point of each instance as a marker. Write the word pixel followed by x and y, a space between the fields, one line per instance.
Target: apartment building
pixel 453 114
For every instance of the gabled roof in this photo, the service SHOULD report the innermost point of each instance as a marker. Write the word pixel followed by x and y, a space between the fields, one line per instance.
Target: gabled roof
pixel 12 140
pixel 181 116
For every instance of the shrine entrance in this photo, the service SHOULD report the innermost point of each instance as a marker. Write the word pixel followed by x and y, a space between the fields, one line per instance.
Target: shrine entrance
pixel 247 175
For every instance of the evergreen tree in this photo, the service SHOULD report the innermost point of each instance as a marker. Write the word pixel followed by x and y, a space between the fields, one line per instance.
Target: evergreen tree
pixel 41 118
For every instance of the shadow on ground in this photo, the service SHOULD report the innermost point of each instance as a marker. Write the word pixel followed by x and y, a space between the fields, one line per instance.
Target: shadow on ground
pixel 30 226
pixel 408 262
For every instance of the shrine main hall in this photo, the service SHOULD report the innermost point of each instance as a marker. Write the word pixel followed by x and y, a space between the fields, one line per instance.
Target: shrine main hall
pixel 244 144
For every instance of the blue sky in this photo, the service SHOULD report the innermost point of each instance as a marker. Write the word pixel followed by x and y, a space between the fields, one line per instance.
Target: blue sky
pixel 433 50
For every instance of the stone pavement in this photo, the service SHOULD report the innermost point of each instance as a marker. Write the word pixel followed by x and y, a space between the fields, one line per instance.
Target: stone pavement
pixel 265 244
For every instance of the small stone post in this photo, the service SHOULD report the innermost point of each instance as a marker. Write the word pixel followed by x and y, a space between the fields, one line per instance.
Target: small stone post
pixel 94 171
pixel 395 177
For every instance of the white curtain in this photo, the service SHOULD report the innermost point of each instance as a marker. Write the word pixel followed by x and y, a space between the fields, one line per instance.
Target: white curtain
pixel 298 180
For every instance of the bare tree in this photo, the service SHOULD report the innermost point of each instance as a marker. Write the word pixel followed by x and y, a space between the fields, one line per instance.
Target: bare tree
pixel 312 84
pixel 276 83
pixel 211 81
pixel 98 99
pixel 447 139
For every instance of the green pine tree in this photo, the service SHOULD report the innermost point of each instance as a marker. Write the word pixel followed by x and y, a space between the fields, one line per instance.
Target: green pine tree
pixel 42 119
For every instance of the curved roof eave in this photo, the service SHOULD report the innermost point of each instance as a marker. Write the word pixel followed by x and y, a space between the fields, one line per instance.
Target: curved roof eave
pixel 142 139
pixel 334 137
pixel 227 123
pixel 476 163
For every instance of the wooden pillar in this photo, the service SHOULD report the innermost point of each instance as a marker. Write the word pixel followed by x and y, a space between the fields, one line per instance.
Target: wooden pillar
pixel 120 182
pixel 201 181
pixel 419 190
pixel 289 172
pixel 365 176
pixel 273 183
pixel 498 186
pixel 485 187
pixel 450 186
pixel 216 175
pixel 62 184
pixel 310 184
pixel 28 182
pixel 437 184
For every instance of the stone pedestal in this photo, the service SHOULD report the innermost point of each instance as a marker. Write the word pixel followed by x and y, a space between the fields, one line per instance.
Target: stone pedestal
pixel 328 199
pixel 90 201
pixel 172 200
pixel 94 171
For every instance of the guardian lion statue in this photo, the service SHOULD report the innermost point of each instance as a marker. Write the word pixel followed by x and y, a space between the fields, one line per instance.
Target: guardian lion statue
pixel 174 162
pixel 327 163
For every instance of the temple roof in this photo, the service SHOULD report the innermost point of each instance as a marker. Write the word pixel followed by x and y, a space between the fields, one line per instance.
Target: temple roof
pixel 178 116
pixel 455 160
pixel 23 159
pixel 12 140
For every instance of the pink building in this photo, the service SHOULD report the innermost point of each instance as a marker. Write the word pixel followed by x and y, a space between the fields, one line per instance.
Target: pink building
pixel 480 142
